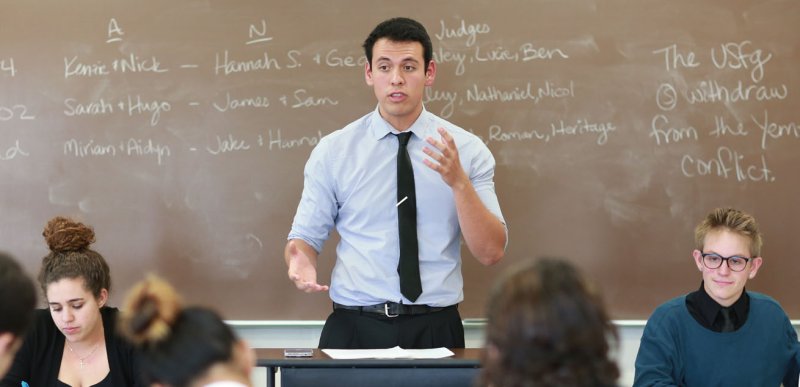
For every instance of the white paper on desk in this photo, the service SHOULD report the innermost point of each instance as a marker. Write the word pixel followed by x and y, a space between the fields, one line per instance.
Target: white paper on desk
pixel 388 353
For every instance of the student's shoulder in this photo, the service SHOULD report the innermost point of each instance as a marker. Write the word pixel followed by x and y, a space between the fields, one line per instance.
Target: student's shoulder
pixel 673 309
pixel 353 129
pixel 760 301
pixel 331 144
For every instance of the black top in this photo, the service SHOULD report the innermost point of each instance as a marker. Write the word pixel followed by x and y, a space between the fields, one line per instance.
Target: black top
pixel 39 360
pixel 707 313
pixel 106 382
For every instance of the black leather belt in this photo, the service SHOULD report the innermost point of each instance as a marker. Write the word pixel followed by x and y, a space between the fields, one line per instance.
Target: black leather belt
pixel 393 309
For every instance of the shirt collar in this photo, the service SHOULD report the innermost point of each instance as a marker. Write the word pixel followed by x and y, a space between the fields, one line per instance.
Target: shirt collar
pixel 710 308
pixel 423 127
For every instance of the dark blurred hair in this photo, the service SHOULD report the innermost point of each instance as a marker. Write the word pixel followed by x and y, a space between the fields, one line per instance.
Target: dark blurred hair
pixel 71 257
pixel 549 329
pixel 400 29
pixel 17 297
pixel 177 344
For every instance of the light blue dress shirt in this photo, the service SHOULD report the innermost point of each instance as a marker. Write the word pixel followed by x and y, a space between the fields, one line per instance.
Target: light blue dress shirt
pixel 351 184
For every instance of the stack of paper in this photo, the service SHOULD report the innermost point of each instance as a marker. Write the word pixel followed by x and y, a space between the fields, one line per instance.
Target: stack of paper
pixel 389 353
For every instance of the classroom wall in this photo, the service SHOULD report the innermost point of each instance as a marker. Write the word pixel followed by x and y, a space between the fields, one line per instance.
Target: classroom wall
pixel 179 130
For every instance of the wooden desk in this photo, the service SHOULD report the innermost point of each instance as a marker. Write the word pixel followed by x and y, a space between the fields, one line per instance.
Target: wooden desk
pixel 321 371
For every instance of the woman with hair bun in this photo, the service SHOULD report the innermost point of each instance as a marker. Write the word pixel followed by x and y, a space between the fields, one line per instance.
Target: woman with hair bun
pixel 180 346
pixel 74 342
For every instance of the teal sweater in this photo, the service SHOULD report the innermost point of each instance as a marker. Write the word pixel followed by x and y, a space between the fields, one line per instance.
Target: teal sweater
pixel 677 351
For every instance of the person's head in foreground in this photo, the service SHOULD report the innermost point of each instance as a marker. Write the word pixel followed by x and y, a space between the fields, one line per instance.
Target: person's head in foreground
pixel 17 302
pixel 182 346
pixel 547 327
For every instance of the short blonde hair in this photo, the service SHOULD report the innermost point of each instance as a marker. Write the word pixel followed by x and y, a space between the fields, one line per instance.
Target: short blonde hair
pixel 732 220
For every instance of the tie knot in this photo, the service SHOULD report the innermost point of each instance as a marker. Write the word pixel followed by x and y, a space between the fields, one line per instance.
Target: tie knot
pixel 403 138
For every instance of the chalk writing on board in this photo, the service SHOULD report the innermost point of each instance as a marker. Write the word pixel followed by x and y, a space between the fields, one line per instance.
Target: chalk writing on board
pixel 449 98
pixel 115 32
pixel 525 92
pixel 225 65
pixel 526 52
pixel 664 133
pixel 333 58
pixel 773 130
pixel 12 152
pixel 130 64
pixel 7 67
pixel 741 55
pixel 92 108
pixel 258 33
pixel 226 144
pixel 470 31
pixel 302 99
pixel 77 148
pixel 727 164
pixel 498 134
pixel 583 127
pixel 130 147
pixel 146 147
pixel 729 55
pixel 132 105
pixel 723 128
pixel 712 91
pixel 675 59
pixel 15 112
pixel 274 140
pixel 559 128
pixel 442 56
pixel 239 103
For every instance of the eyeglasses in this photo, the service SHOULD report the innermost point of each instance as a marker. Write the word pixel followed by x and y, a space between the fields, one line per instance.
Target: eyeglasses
pixel 714 261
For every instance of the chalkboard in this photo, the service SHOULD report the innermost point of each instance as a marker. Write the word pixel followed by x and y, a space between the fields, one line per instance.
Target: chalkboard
pixel 179 130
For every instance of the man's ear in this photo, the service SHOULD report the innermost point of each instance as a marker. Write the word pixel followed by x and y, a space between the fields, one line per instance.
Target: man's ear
pixel 755 265
pixel 368 73
pixel 430 73
pixel 698 259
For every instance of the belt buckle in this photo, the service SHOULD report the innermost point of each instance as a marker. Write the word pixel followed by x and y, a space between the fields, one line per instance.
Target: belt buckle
pixel 386 310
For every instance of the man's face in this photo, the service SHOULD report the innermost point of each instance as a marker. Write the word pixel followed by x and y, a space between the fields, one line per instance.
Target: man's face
pixel 398 77
pixel 724 285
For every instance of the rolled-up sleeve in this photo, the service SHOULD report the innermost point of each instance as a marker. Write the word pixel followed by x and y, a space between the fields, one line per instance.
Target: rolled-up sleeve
pixel 316 213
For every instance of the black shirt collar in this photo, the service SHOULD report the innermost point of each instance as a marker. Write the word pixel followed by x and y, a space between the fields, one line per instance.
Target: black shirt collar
pixel 706 311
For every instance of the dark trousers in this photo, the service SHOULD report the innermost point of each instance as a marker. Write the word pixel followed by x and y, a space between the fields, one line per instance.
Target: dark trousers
pixel 353 329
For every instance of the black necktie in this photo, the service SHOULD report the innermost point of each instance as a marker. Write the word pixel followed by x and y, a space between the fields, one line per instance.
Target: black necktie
pixel 408 267
pixel 727 322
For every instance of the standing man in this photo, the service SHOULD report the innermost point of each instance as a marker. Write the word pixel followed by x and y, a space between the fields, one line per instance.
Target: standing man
pixel 401 186
pixel 720 334
pixel 17 301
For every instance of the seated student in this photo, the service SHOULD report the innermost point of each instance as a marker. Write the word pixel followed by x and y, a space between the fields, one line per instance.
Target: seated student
pixel 183 346
pixel 547 328
pixel 74 342
pixel 721 334
pixel 17 301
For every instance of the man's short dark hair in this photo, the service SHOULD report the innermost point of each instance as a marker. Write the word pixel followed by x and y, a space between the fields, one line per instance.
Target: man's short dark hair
pixel 400 29
pixel 17 297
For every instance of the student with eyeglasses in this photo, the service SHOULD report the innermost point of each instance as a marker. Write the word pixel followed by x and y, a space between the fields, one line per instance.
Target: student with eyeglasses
pixel 720 334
